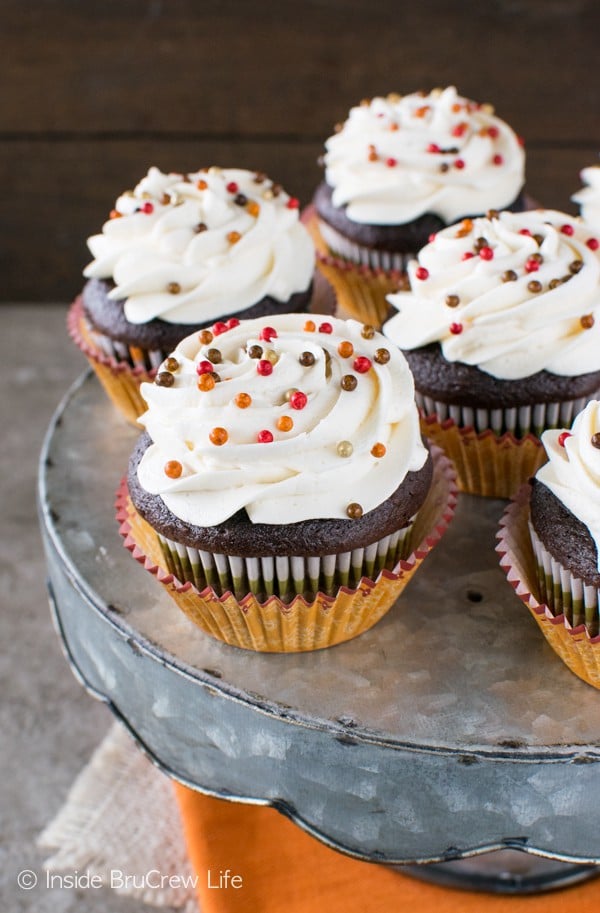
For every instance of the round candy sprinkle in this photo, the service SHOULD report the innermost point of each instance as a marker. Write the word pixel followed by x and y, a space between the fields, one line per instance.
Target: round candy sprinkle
pixel 349 382
pixel 233 237
pixel 171 364
pixel 433 148
pixel 421 273
pixel 310 326
pixel 267 334
pixel 498 159
pixel 539 239
pixel 214 355
pixel 391 162
pixel 284 423
pixel 215 377
pixel 325 327
pixel 173 288
pixel 509 276
pixel 240 199
pixel 575 266
pixel 354 511
pixel 593 243
pixel 531 265
pixel 468 255
pixel 243 400
pixel 298 400
pixel 289 393
pixel 525 231
pixel 148 208
pixel 345 349
pixel 382 356
pixel 204 367
pixel 206 382
pixel 534 286
pixel 173 469
pixel 562 437
pixel 431 238
pixel 492 214
pixel 255 351
pixel 264 437
pixel 456 329
pixel 567 229
pixel 307 359
pixel 362 364
pixel 595 440
pixel 232 323
pixel 164 379
pixel 492 132
pixel 115 214
pixel 459 129
pixel 486 253
pixel 205 337
pixel 264 367
pixel 345 449
pixel 452 301
pixel 201 185
pixel 218 437
pixel 253 208
pixel 378 450
pixel 232 187
pixel 537 258
pixel 587 321
pixel 293 203
pixel 367 331
pixel 272 356
pixel 459 163
pixel 219 327
pixel 554 283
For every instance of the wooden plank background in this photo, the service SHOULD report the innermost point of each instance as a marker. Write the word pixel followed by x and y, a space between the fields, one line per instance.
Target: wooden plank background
pixel 94 93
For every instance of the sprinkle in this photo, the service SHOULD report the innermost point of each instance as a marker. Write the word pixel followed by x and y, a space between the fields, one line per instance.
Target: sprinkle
pixel 268 194
pixel 525 231
pixel 575 266
pixel 444 167
pixel 433 148
pixel 240 199
pixel 219 327
pixel 468 255
pixel 307 359
pixel 562 437
pixel 531 265
pixel 345 349
pixel 493 132
pixel 354 511
pixel 382 356
pixel 509 276
pixel 298 400
pixel 293 203
pixel 200 227
pixel 432 237
pixel 534 286
pixel 421 273
pixel 218 437
pixel 173 288
pixel 422 111
pixel 391 162
pixel 456 329
pixel 539 239
pixel 253 208
pixel 232 187
pixel 255 351
pixel 206 382
pixel 567 229
pixel 492 214
pixel 243 400
pixel 309 326
pixel 459 163
pixel 173 469
pixel 367 331
pixel 362 364
pixel 148 208
pixel 378 450
pixel 233 237
pixel 232 323
pixel 587 321
pixel 348 382
pixel 204 367
pixel 201 184
pixel 486 253
pixel 260 177
pixel 289 393
pixel 171 364
pixel 345 449
pixel 595 440
pixel 554 283
pixel 267 334
pixel 498 160
pixel 272 356
pixel 593 243
pixel 115 214
pixel 205 337
pixel 452 301
pixel 325 328
pixel 459 129
pixel 264 437
pixel 466 226
pixel 215 356
pixel 164 379
pixel 264 367
pixel 284 423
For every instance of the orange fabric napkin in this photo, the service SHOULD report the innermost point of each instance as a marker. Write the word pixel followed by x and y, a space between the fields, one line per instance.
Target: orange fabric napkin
pixel 284 869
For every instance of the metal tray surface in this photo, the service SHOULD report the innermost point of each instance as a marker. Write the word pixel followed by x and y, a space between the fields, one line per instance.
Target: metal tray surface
pixel 449 729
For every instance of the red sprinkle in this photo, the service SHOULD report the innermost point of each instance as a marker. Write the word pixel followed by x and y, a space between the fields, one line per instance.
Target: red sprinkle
pixel 486 253
pixel 592 243
pixel 298 400
pixel 391 162
pixel 293 203
pixel 264 437
pixel 520 141
pixel 498 160
pixel 232 322
pixel 459 163
pixel 232 187
pixel 362 364
pixel 204 367
pixel 567 229
pixel 493 132
pixel 531 266
pixel 421 273
pixel 219 327
pixel 562 437
pixel 431 237
pixel 456 329
pixel 148 208
pixel 433 147
pixel 325 328
pixel 267 334
pixel 459 129
pixel 264 367
pixel 525 231
pixel 468 255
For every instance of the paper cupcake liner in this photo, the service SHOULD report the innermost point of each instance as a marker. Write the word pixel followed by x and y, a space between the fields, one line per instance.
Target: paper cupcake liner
pixel 121 380
pixel 360 287
pixel 579 650
pixel 274 625
pixel 340 246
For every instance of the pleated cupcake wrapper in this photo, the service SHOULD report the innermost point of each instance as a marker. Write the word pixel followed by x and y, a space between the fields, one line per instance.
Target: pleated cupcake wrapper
pixel 340 246
pixel 282 576
pixel 121 377
pixel 274 625
pixel 534 575
pixel 360 284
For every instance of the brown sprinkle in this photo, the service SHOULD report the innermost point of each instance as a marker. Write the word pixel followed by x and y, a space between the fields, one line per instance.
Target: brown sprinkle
pixel 382 356
pixel 200 227
pixel 554 283
pixel 173 288
pixel 575 266
pixel 354 511
pixel 444 167
pixel 255 351
pixel 509 276
pixel 537 257
pixel 307 359
pixel 534 286
pixel 164 379
pixel 596 440
pixel 215 356
pixel 492 214
pixel 367 331
pixel 587 321
pixel 452 301
pixel 539 239
pixel 205 337
pixel 171 364
pixel 349 382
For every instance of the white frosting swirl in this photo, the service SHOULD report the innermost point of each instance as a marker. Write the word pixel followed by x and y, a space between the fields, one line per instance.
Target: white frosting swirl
pixel 396 158
pixel 300 475
pixel 243 252
pixel 510 329
pixel 572 472
pixel 589 197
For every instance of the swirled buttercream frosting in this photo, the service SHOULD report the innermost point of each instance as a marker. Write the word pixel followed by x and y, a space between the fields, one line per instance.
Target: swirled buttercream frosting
pixel 397 158
pixel 289 418
pixel 572 472
pixel 588 197
pixel 512 294
pixel 190 248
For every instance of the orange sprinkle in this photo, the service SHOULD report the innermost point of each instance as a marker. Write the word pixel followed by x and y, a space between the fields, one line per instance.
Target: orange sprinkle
pixel 218 436
pixel 205 337
pixel 115 214
pixel 206 382
pixel 173 469
pixel 233 237
pixel 243 400
pixel 466 226
pixel 345 349
pixel 201 185
pixel 378 450
pixel 422 111
pixel 285 423
pixel 456 107
pixel 253 208
pixel 394 126
pixel 310 326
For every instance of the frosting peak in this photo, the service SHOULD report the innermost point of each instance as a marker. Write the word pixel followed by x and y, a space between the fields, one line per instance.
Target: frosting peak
pixel 190 248
pixel 287 422
pixel 513 294
pixel 397 158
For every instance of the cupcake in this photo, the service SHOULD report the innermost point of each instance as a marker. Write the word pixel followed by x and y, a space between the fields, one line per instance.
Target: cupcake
pixel 550 542
pixel 282 481
pixel 181 251
pixel 399 169
pixel 588 197
pixel 501 330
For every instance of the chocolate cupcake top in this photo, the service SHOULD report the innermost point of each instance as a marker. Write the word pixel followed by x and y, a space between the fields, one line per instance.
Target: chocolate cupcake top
pixel 189 248
pixel 399 157
pixel 512 293
pixel 572 472
pixel 589 197
pixel 289 418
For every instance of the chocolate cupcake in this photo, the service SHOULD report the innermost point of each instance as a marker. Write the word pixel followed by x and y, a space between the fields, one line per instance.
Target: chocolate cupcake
pixel 501 330
pixel 283 478
pixel 178 252
pixel 551 543
pixel 401 168
pixel 588 197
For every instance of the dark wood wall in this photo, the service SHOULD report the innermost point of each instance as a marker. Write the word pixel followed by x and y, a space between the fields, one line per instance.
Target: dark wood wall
pixel 94 92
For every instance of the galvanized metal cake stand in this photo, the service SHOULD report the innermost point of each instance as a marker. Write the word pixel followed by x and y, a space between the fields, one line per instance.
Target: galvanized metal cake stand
pixel 448 738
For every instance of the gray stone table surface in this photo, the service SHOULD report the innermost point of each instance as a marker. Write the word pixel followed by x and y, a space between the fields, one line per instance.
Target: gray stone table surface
pixel 48 724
